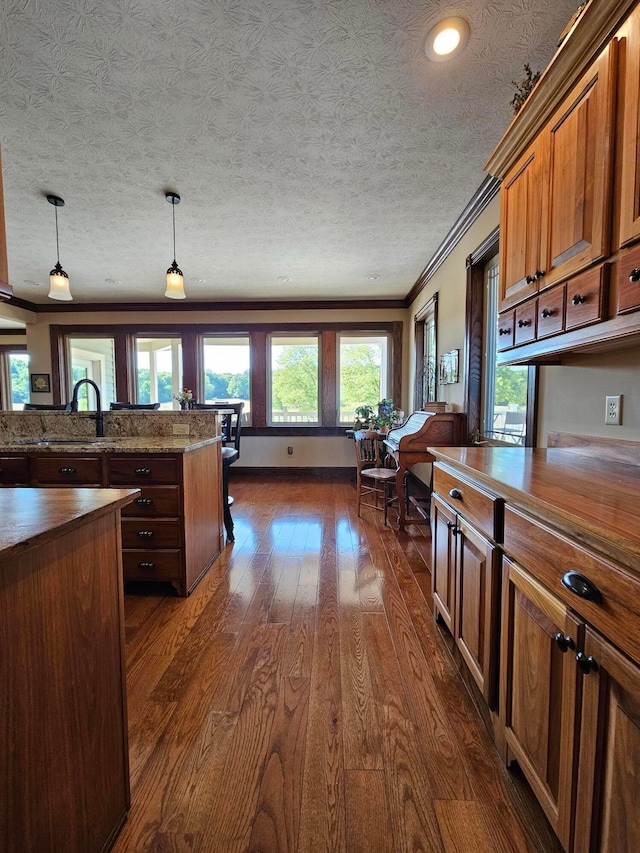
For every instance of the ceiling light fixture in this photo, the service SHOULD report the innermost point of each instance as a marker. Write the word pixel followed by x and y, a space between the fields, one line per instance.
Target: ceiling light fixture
pixel 284 278
pixel 175 279
pixel 373 277
pixel 447 39
pixel 58 279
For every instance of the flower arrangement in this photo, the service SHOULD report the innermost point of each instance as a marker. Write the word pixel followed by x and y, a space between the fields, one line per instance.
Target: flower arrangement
pixel 184 397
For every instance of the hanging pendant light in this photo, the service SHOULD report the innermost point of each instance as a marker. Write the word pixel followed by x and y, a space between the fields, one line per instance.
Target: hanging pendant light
pixel 175 279
pixel 58 279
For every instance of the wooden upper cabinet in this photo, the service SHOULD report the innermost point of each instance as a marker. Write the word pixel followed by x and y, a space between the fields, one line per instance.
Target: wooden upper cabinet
pixel 630 149
pixel 580 150
pixel 522 227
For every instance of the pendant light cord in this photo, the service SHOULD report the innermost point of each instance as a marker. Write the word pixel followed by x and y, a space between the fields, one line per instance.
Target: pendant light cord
pixel 57 240
pixel 173 210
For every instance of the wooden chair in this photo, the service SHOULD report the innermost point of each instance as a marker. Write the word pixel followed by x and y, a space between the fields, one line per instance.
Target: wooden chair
pixel 118 406
pixel 373 481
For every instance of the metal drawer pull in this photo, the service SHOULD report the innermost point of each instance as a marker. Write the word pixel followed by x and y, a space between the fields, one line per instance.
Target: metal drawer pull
pixel 146 564
pixel 453 527
pixel 523 323
pixel 540 273
pixel 564 643
pixel 144 501
pixel 581 586
pixel 504 331
pixel 634 275
pixel 547 312
pixel 145 534
pixel 456 494
pixel 145 471
pixel 578 299
pixel 67 470
pixel 586 664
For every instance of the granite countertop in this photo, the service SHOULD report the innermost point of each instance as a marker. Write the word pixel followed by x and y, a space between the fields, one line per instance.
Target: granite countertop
pixel 108 444
pixel 34 516
pixel 592 500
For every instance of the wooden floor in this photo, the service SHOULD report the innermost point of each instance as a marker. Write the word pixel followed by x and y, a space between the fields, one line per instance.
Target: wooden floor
pixel 303 699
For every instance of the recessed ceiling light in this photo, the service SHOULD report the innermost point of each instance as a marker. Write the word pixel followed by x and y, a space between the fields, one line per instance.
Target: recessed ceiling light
pixel 198 280
pixel 284 278
pixel 113 281
pixel 447 39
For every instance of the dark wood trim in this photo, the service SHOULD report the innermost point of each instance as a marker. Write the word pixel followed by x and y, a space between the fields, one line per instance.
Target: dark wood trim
pixel 258 377
pixel 267 305
pixel 102 330
pixel 292 430
pixel 474 330
pixel 533 378
pixel 22 303
pixel 419 322
pixel 56 336
pixel 13 332
pixel 328 372
pixel 285 471
pixel 122 347
pixel 476 206
pixel 190 372
pixel 396 364
pixel 13 348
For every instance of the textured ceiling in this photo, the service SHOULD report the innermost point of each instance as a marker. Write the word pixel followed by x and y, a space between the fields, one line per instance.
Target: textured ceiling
pixel 308 138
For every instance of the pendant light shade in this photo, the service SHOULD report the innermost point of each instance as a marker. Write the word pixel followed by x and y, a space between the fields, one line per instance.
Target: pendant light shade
pixel 175 279
pixel 58 279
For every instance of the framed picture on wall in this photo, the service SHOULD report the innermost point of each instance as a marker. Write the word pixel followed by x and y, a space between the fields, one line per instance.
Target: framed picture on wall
pixel 40 383
pixel 449 367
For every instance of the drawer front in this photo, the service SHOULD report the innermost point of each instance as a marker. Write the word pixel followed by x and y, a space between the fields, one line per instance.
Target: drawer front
pixel 549 556
pixel 151 533
pixel 152 565
pixel 586 297
pixel 506 325
pixel 155 501
pixel 139 470
pixel 67 470
pixel 14 470
pixel 525 324
pixel 628 280
pixel 483 510
pixel 551 312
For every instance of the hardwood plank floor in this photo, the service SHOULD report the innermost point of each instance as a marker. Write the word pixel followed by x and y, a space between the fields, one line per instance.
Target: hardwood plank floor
pixel 303 698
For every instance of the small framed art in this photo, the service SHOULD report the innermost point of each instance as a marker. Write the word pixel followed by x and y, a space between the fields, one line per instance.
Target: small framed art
pixel 40 383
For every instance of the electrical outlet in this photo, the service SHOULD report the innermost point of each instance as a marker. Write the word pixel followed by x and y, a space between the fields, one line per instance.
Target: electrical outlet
pixel 181 429
pixel 613 410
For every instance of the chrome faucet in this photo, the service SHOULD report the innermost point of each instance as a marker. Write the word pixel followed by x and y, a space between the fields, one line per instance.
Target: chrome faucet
pixel 73 406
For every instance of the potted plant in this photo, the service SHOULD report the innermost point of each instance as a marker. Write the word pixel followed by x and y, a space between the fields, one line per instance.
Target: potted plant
pixel 364 415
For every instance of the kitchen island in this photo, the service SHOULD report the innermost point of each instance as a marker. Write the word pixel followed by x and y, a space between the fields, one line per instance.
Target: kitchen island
pixel 64 777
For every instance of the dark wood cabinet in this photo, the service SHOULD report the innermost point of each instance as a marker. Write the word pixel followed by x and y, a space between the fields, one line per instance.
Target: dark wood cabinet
pixel 14 471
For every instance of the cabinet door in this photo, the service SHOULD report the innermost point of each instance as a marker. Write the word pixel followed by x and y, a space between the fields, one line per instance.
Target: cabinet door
pixel 580 144
pixel 443 529
pixel 538 691
pixel 607 817
pixel 476 607
pixel 523 228
pixel 630 167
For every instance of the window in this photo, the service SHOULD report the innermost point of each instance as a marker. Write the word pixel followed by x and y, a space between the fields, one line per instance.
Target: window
pixel 505 388
pixel 14 378
pixel 363 373
pixel 159 371
pixel 92 358
pixel 294 379
pixel 226 371
pixel 426 329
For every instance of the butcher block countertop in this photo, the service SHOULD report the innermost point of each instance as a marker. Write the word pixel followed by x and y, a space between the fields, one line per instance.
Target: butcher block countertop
pixel 595 501
pixel 137 444
pixel 34 516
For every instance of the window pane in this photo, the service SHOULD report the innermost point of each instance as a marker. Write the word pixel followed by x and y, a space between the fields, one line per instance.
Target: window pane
pixel 19 377
pixel 505 388
pixel 159 371
pixel 92 358
pixel 226 371
pixel 363 373
pixel 294 380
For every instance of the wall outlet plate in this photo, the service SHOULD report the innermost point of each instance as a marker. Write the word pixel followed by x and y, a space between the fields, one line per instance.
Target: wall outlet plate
pixel 613 410
pixel 181 429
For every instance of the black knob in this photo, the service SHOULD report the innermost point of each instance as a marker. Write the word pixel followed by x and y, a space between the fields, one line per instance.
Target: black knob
pixel 504 331
pixel 145 534
pixel 456 494
pixel 547 312
pixel 582 587
pixel 68 470
pixel 578 299
pixel 634 275
pixel 530 279
pixel 144 501
pixel 586 664
pixel 146 564
pixel 523 323
pixel 540 273
pixel 145 471
pixel 453 527
pixel 564 643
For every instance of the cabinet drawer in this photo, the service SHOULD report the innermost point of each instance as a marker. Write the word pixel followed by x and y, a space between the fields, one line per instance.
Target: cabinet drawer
pixel 549 556
pixel 138 470
pixel 628 281
pixel 506 324
pixel 151 565
pixel 155 501
pixel 62 470
pixel 14 470
pixel 151 533
pixel 525 323
pixel 551 311
pixel 481 509
pixel 586 297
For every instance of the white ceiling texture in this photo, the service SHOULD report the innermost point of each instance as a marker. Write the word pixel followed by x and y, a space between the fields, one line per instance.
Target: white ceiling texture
pixel 309 139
